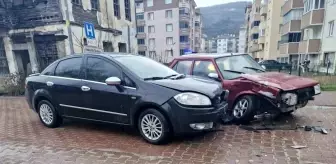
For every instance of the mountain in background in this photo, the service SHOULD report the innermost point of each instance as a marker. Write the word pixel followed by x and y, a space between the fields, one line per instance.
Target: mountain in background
pixel 224 18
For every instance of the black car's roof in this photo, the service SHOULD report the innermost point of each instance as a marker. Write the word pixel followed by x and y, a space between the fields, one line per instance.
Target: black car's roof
pixel 107 54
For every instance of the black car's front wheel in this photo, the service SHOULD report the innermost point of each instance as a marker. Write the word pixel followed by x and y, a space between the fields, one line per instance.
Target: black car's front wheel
pixel 244 109
pixel 153 126
pixel 48 114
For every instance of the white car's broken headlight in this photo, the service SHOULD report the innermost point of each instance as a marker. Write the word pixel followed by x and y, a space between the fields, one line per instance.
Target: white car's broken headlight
pixel 289 98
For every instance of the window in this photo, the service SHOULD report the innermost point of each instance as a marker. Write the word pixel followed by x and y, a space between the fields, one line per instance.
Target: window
pixel 140 16
pixel 313 4
pixel 184 11
pixel 183 67
pixel 169 53
pixel 294 37
pixel 77 2
pixel 128 10
pixel 184 39
pixel 328 58
pixel 203 68
pixel 151 16
pixel 141 41
pixel 168 1
pixel 152 54
pixel 150 3
pixel 95 4
pixel 169 27
pixel 140 29
pixel 99 70
pixel 197 24
pixel 255 23
pixel 116 7
pixel 262 32
pixel 69 68
pixel 181 52
pixel 143 53
pixel 255 36
pixel 295 14
pixel 331 28
pixel 184 24
pixel 169 14
pixel 151 42
pixel 49 70
pixel 151 29
pixel 169 40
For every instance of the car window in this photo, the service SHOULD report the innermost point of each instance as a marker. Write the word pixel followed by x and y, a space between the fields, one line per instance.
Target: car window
pixel 183 67
pixel 69 68
pixel 49 70
pixel 99 70
pixel 203 68
pixel 128 82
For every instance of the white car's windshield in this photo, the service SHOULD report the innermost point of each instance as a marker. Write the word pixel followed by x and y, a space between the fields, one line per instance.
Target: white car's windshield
pixel 233 66
pixel 146 68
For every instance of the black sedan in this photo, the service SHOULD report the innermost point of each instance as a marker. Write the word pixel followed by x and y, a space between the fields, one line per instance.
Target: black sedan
pixel 274 65
pixel 128 90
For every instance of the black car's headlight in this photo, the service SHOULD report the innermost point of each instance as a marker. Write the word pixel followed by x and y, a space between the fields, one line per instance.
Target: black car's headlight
pixel 192 99
pixel 289 98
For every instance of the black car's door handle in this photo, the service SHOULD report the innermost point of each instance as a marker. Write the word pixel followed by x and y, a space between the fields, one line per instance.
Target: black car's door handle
pixel 85 88
pixel 50 84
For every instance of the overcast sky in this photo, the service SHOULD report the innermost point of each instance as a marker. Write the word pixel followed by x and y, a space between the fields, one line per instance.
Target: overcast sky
pixel 203 3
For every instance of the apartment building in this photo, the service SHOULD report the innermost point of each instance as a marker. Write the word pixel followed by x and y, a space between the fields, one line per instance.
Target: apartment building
pixel 227 43
pixel 242 40
pixel 263 28
pixel 35 33
pixel 167 28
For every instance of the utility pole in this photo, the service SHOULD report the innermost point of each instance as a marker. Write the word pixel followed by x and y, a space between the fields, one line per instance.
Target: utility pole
pixel 68 24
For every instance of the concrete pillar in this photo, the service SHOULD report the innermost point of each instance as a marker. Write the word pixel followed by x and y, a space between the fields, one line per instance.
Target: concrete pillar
pixel 32 54
pixel 11 60
pixel 61 51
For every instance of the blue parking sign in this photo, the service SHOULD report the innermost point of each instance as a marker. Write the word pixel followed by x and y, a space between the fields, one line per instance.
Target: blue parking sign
pixel 89 30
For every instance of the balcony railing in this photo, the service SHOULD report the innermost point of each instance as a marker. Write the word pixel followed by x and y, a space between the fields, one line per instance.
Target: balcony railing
pixel 291 26
pixel 291 4
pixel 263 10
pixel 314 17
pixel 310 46
pixel 289 48
pixel 184 31
pixel 141 22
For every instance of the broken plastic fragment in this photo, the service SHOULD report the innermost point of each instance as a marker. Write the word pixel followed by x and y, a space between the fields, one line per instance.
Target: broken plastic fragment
pixel 298 147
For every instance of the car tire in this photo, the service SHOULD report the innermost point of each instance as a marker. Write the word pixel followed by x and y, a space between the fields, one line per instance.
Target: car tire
pixel 154 127
pixel 48 115
pixel 244 109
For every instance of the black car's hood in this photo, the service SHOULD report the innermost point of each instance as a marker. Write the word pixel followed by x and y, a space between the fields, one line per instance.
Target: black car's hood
pixel 192 84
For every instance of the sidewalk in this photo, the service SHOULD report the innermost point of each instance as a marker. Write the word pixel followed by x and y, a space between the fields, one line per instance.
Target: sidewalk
pixel 327 98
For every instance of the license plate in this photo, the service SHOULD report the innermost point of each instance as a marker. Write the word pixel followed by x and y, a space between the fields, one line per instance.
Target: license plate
pixel 317 89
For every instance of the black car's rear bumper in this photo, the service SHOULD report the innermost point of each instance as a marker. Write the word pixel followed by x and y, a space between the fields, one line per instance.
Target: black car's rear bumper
pixel 182 117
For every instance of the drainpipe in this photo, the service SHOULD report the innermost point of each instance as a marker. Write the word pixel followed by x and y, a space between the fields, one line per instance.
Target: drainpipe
pixel 129 39
pixel 67 15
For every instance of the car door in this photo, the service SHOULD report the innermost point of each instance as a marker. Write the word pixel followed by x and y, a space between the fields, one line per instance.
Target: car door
pixel 104 102
pixel 65 85
pixel 183 67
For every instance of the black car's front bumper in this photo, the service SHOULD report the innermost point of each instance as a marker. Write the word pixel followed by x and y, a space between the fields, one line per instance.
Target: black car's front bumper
pixel 184 119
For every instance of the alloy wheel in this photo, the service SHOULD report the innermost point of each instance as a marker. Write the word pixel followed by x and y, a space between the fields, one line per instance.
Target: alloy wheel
pixel 151 127
pixel 46 114
pixel 240 108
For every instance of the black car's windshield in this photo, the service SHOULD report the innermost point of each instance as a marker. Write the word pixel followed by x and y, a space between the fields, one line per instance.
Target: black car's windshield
pixel 232 66
pixel 146 68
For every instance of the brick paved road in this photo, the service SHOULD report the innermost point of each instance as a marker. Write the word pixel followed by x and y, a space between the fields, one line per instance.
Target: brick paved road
pixel 24 140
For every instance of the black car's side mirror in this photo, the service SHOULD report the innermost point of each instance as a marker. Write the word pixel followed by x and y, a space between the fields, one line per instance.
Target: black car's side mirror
pixel 115 81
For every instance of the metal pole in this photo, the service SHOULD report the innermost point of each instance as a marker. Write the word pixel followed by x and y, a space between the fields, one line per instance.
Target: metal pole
pixel 67 15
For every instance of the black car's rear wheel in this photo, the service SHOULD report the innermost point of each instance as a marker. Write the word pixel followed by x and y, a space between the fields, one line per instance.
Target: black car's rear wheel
pixel 244 109
pixel 153 126
pixel 48 114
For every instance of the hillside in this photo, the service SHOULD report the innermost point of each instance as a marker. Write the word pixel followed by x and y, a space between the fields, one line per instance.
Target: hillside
pixel 224 18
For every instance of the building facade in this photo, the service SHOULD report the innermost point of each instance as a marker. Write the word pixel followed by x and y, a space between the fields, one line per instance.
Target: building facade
pixel 168 28
pixel 33 34
pixel 227 44
pixel 242 40
pixel 263 28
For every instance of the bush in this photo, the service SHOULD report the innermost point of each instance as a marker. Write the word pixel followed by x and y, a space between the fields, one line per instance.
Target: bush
pixel 13 84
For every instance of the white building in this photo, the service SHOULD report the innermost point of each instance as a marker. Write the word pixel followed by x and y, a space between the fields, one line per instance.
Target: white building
pixel 242 40
pixel 227 44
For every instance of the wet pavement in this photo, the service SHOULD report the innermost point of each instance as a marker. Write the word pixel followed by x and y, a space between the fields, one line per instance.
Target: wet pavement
pixel 23 139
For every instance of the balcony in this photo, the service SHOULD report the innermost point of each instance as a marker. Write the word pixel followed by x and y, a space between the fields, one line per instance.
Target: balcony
pixel 291 26
pixel 184 45
pixel 310 46
pixel 255 17
pixel 254 47
pixel 291 4
pixel 184 17
pixel 184 31
pixel 142 47
pixel 289 48
pixel 263 10
pixel 141 35
pixel 262 25
pixel 255 30
pixel 314 17
pixel 141 22
pixel 261 40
